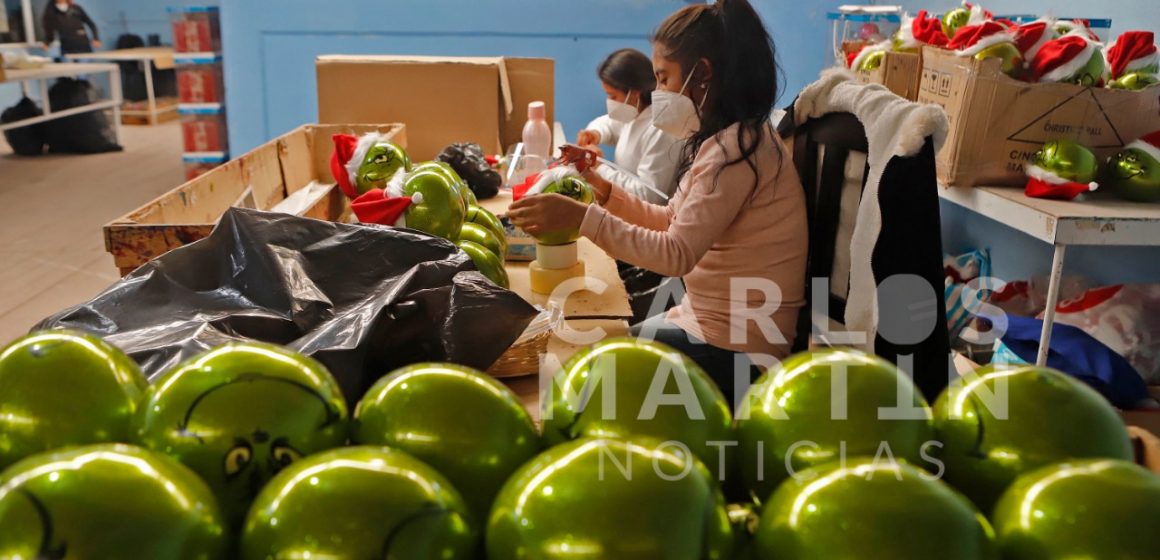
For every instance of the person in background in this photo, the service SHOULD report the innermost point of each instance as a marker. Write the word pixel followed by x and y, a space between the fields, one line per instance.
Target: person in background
pixel 735 229
pixel 67 20
pixel 646 157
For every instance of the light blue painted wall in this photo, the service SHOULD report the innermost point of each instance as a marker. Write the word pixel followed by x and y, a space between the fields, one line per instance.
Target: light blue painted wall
pixel 1016 255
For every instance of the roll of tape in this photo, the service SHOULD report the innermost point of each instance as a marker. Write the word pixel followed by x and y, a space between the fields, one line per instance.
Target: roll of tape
pixel 545 280
pixel 557 257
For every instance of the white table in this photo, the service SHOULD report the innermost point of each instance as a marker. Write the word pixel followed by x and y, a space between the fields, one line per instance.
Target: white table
pixel 148 57
pixel 67 70
pixel 1099 220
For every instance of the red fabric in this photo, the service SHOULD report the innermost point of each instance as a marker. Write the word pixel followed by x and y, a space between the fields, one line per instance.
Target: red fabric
pixel 1027 35
pixel 1152 139
pixel 1007 23
pixel 928 30
pixel 851 56
pixel 344 146
pixel 518 191
pixel 375 207
pixel 1042 189
pixel 1130 46
pixel 1056 53
pixel 1084 25
pixel 968 35
pixel 491 160
pixel 1089 299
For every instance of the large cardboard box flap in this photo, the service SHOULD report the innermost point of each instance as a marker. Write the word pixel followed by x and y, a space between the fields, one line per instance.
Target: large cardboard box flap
pixel 998 123
pixel 441 100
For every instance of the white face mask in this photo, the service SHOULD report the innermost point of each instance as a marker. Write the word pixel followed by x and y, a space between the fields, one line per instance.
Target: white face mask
pixel 622 112
pixel 62 7
pixel 675 114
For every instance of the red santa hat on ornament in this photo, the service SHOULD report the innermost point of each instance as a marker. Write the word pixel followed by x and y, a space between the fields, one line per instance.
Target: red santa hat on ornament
pixel 1061 58
pixel 855 60
pixel 535 184
pixel 921 30
pixel 1134 50
pixel 970 39
pixel 978 14
pixel 349 153
pixel 1042 183
pixel 387 206
pixel 1149 144
pixel 1030 37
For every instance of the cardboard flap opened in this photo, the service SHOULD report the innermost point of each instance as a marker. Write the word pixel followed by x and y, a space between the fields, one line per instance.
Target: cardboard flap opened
pixel 998 123
pixel 441 100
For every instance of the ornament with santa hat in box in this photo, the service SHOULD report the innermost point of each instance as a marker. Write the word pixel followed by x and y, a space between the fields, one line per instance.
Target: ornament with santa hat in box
pixel 1134 173
pixel 1133 62
pixel 1030 37
pixel 1062 170
pixel 989 39
pixel 917 31
pixel 1074 58
pixel 963 16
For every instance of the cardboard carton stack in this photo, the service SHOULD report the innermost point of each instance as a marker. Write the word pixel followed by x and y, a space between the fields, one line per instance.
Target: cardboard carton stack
pixel 201 87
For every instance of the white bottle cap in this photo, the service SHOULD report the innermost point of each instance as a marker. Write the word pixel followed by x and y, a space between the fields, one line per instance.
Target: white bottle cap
pixel 537 111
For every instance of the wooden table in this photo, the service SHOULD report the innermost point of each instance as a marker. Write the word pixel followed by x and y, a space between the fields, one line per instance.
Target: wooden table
pixel 584 311
pixel 48 72
pixel 148 57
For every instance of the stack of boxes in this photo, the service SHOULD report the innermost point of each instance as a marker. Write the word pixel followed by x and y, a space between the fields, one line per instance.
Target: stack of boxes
pixel 201 87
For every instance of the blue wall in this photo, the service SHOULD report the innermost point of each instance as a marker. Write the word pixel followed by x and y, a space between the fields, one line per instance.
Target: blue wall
pixel 270 57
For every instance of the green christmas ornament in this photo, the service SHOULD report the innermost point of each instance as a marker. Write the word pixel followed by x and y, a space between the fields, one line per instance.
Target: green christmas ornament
pixel 382 161
pixel 639 388
pixel 483 217
pixel 485 237
pixel 108 501
pixel 612 500
pixel 62 388
pixel 1134 173
pixel 823 405
pixel 437 204
pixel 466 425
pixel 955 19
pixel 872 61
pixel 998 424
pixel 571 186
pixel 486 261
pixel 1081 509
pixel 868 509
pixel 1068 160
pixel 239 414
pixel 1008 53
pixel 465 195
pixel 1135 81
pixel 359 502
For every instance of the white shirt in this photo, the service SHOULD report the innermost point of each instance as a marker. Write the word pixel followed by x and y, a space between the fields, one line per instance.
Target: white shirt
pixel 645 155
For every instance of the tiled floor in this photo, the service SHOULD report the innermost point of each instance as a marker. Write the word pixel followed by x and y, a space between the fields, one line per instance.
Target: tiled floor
pixel 52 208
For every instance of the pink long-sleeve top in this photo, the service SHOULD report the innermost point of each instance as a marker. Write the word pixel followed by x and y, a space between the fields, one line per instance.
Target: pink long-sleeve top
pixel 736 236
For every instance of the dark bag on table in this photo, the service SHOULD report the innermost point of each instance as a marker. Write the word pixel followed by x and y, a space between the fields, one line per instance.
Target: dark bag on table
pixel 90 132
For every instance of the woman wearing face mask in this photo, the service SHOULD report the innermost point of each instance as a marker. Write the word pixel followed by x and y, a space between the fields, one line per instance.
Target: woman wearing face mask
pixel 646 157
pixel 735 229
pixel 66 19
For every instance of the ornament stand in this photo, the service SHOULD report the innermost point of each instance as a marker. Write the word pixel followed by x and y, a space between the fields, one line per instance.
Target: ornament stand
pixel 554 265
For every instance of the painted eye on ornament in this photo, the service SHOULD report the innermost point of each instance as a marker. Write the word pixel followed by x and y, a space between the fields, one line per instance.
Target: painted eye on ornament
pixel 1132 158
pixel 382 158
pixel 238 458
pixel 281 454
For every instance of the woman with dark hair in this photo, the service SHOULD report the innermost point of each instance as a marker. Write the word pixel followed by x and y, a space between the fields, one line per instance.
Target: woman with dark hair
pixel 736 227
pixel 646 157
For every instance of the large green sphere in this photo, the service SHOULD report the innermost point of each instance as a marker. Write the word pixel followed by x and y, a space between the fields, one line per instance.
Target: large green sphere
pixel 1082 509
pixel 610 500
pixel 440 210
pixel 486 262
pixel 483 236
pixel 1069 160
pixel 60 388
pixel 1134 174
pixel 1008 53
pixel 382 161
pixel 572 187
pixel 468 426
pixel 240 413
pixel 955 19
pixel 483 217
pixel 465 195
pixel 359 502
pixel 999 424
pixel 871 510
pixel 638 388
pixel 823 405
pixel 1135 81
pixel 110 502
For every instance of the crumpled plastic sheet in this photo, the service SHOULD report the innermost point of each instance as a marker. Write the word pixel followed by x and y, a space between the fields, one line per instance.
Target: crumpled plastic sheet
pixel 363 300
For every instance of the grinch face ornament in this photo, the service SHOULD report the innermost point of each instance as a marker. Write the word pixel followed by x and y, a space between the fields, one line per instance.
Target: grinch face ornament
pixel 382 161
pixel 564 181
pixel 363 163
pixel 239 414
pixel 1135 81
pixel 955 19
pixel 1134 174
pixel 1068 160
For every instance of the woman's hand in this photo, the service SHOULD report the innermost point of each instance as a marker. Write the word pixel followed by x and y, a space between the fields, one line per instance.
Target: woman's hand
pixel 601 188
pixel 586 138
pixel 546 213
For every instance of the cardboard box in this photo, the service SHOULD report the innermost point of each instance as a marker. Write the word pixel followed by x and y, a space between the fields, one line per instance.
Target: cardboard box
pixel 900 72
pixel 260 179
pixel 998 123
pixel 441 100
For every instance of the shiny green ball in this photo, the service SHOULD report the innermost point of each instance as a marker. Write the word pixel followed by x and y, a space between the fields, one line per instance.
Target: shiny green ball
pixel 572 187
pixel 382 161
pixel 481 235
pixel 439 210
pixel 1134 174
pixel 486 261
pixel 1069 160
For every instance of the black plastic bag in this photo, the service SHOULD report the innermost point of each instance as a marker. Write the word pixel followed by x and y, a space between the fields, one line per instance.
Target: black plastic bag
pixel 85 133
pixel 26 140
pixel 363 300
pixel 469 163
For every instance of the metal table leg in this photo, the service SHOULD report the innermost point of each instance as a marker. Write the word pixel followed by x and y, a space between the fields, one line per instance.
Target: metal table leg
pixel 115 92
pixel 1052 300
pixel 149 91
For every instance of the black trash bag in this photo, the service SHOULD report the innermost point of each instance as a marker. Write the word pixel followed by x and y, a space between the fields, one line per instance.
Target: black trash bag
pixel 469 163
pixel 85 133
pixel 26 140
pixel 363 300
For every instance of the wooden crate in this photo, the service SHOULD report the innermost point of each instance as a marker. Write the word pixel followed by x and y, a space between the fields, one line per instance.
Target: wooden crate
pixel 271 172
